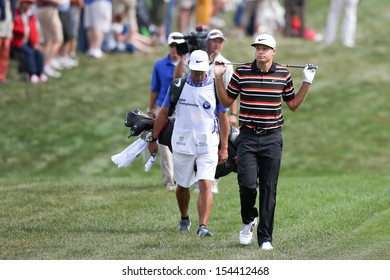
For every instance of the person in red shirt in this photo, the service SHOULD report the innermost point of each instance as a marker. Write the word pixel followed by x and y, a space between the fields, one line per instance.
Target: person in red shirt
pixel 26 41
pixel 7 9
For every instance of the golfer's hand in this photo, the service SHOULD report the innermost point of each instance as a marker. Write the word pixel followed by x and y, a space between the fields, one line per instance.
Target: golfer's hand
pixel 220 68
pixel 222 156
pixel 309 72
pixel 153 147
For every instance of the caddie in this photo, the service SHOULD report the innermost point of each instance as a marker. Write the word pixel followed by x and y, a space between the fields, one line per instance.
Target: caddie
pixel 201 124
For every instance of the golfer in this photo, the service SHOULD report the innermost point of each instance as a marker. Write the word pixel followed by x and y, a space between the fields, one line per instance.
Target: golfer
pixel 201 124
pixel 261 85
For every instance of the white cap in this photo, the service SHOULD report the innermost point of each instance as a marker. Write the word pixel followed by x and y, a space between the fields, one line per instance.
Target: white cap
pixel 172 38
pixel 215 33
pixel 199 61
pixel 265 39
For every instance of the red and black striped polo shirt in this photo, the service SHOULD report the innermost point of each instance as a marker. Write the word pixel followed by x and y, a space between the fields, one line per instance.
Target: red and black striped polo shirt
pixel 261 94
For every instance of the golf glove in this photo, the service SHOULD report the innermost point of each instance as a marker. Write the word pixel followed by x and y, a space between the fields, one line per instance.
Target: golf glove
pixel 309 72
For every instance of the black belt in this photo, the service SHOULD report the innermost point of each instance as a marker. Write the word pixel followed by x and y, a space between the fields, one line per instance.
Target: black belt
pixel 262 131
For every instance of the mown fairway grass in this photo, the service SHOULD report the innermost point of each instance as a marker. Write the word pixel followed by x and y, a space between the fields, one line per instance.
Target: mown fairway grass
pixel 317 218
pixel 62 197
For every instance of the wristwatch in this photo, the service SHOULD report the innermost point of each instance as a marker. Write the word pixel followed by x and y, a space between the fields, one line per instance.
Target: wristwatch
pixel 152 139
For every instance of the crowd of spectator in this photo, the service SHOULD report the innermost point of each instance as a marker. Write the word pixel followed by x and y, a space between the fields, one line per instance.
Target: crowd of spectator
pixel 44 36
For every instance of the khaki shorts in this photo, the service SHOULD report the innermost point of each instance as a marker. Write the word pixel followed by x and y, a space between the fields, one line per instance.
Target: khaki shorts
pixel 50 23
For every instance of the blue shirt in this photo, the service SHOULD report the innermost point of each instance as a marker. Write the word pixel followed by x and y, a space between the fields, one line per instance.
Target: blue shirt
pixel 162 77
pixel 92 1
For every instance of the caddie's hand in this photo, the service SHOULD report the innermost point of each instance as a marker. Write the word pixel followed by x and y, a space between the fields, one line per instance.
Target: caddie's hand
pixel 151 114
pixel 220 68
pixel 153 147
pixel 233 119
pixel 309 72
pixel 222 155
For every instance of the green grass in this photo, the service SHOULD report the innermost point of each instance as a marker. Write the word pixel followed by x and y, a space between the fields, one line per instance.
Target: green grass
pixel 63 198
pixel 317 218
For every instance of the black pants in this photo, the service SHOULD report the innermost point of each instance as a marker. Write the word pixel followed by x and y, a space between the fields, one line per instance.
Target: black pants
pixel 258 158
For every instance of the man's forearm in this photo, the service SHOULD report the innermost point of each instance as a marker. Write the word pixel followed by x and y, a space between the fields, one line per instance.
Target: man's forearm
pixel 224 130
pixel 222 93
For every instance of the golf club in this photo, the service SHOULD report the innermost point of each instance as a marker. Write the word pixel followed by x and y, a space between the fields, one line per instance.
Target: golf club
pixel 311 66
pixel 228 63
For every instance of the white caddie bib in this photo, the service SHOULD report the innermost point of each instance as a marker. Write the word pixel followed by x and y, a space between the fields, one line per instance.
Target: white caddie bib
pixel 195 130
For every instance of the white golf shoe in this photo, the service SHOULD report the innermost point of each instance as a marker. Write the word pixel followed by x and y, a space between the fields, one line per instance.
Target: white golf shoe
pixel 266 246
pixel 246 232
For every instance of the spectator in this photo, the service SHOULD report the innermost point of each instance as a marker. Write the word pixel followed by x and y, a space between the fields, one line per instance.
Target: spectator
pixel 295 18
pixel 7 9
pixel 195 140
pixel 162 76
pixel 216 20
pixel 250 18
pixel 116 40
pixel 129 9
pixel 158 15
pixel 203 12
pixel 271 17
pixel 348 32
pixel 76 7
pixel 97 22
pixel 69 13
pixel 184 17
pixel 170 16
pixel 51 27
pixel 215 43
pixel 142 43
pixel 26 41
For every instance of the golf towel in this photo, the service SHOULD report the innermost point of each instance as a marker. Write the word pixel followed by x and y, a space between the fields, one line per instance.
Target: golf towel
pixel 128 155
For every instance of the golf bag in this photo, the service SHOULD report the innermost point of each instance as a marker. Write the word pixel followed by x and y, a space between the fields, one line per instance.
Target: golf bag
pixel 140 123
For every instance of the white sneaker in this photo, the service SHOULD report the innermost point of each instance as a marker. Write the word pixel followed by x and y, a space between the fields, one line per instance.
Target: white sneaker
pixel 73 60
pixel 51 72
pixel 246 232
pixel 43 78
pixel 67 62
pixel 266 246
pixel 34 79
pixel 55 63
pixel 95 53
pixel 170 188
